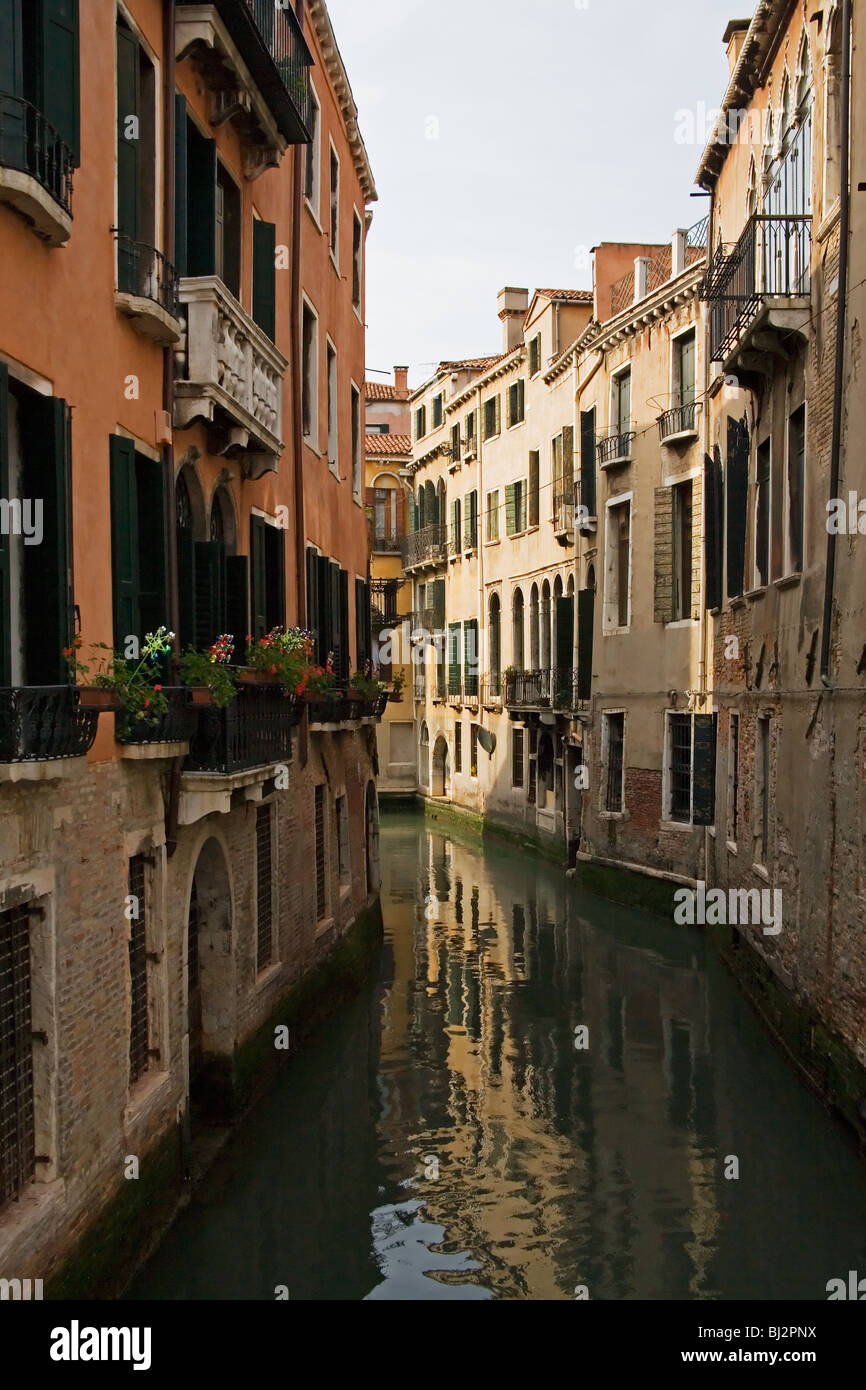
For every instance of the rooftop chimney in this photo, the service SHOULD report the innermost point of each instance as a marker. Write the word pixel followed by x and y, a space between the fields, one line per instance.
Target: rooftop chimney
pixel 513 305
pixel 734 36
pixel 401 381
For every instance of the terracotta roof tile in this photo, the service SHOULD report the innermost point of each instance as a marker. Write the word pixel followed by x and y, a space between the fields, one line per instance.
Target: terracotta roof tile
pixel 380 391
pixel 474 364
pixel 388 445
pixel 571 296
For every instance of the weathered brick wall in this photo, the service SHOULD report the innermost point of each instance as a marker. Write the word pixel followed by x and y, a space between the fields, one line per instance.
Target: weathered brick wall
pixel 66 846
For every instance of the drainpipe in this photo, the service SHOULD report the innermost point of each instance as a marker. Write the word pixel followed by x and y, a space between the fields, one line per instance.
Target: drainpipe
pixel 841 321
pixel 297 420
pixel 169 248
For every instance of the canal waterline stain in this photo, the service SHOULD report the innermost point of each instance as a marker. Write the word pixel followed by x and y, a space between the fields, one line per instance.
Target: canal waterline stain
pixel 443 1137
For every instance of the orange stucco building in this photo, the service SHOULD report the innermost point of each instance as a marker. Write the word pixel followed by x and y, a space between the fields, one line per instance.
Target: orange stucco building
pixel 184 197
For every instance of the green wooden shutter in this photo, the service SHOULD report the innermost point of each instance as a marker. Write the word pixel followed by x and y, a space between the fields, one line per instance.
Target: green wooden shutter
pixel 455 525
pixel 334 638
pixel 704 782
pixel 455 680
pixel 275 577
pixel 346 665
pixel 12 81
pixel 208 592
pixel 181 185
pixel 663 556
pixel 44 424
pixel 237 588
pixel 186 586
pixel 265 277
pixel 325 607
pixel 534 487
pixel 201 185
pixel 568 462
pixel 258 579
pixel 312 607
pixel 497 428
pixel 124 541
pixel 585 622
pixel 436 592
pixel 521 399
pixel 59 69
pixel 362 622
pixel 713 528
pixel 738 497
pixel 587 460
pixel 5 589
pixel 565 633
pixel 128 151
pixel 510 510
pixel 153 604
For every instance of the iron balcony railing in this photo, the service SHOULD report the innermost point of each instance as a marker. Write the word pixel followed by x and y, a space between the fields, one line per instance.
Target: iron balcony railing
pixel 41 723
pixel 30 143
pixel 270 41
pixel 552 689
pixel 386 545
pixel 771 260
pixel 253 731
pixel 680 420
pixel 615 449
pixel 425 547
pixel 375 707
pixel 563 511
pixel 145 272
pixel 175 726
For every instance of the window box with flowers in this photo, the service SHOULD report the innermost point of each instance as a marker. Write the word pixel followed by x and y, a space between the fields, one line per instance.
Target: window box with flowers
pixel 207 675
pixel 130 687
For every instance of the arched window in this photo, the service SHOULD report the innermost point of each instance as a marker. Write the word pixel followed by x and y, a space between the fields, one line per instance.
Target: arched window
pixel 534 650
pixel 517 649
pixel 832 109
pixel 424 757
pixel 495 645
pixel 544 663
pixel 752 189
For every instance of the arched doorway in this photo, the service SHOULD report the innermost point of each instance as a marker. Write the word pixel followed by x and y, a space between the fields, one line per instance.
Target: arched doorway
pixel 495 643
pixel 209 972
pixel 441 767
pixel 424 758
pixel 545 773
pixel 372 839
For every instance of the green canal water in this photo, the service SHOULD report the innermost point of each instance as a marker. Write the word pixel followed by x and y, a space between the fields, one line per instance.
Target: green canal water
pixel 443 1137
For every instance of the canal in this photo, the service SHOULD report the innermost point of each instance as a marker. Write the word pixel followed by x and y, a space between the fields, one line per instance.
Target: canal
pixel 443 1137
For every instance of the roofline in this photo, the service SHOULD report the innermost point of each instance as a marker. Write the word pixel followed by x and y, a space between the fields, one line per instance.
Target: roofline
pixel 339 78
pixel 760 43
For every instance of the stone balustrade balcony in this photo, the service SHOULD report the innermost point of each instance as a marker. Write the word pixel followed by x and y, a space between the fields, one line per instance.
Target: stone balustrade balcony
pixel 229 374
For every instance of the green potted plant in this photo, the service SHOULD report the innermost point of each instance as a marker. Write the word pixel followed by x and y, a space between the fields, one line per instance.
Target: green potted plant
pixel 320 682
pixel 206 675
pixel 364 687
pixel 280 658
pixel 398 681
pixel 109 680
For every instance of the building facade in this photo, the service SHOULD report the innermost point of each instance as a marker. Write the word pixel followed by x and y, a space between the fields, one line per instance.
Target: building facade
pixel 184 200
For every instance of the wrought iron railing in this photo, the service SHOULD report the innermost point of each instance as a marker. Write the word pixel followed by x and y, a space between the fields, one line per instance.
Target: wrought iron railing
pixel 336 708
pixel 386 545
pixel 30 143
pixel 253 731
pixel 272 44
pixel 42 723
pixel 679 420
pixel 425 547
pixel 772 259
pixel 552 689
pixel 175 726
pixel 375 707
pixel 698 235
pixel 527 689
pixel 563 511
pixel 145 272
pixel 660 268
pixel 615 449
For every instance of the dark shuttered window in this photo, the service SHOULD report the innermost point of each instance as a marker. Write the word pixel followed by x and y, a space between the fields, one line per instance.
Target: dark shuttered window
pixel 713 529
pixel 321 877
pixel 267 577
pixel 138 542
pixel 201 198
pixel 45 601
pixel 265 277
pixel 585 621
pixel 705 741
pixel 587 461
pixel 737 503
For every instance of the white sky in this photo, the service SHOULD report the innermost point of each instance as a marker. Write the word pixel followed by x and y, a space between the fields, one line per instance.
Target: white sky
pixel 509 136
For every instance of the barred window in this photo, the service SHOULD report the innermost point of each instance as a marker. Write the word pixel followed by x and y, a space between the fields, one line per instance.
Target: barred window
pixel 17 1129
pixel 458 747
pixel 615 738
pixel 321 895
pixel 264 888
pixel 680 766
pixel 518 739
pixel 138 1025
